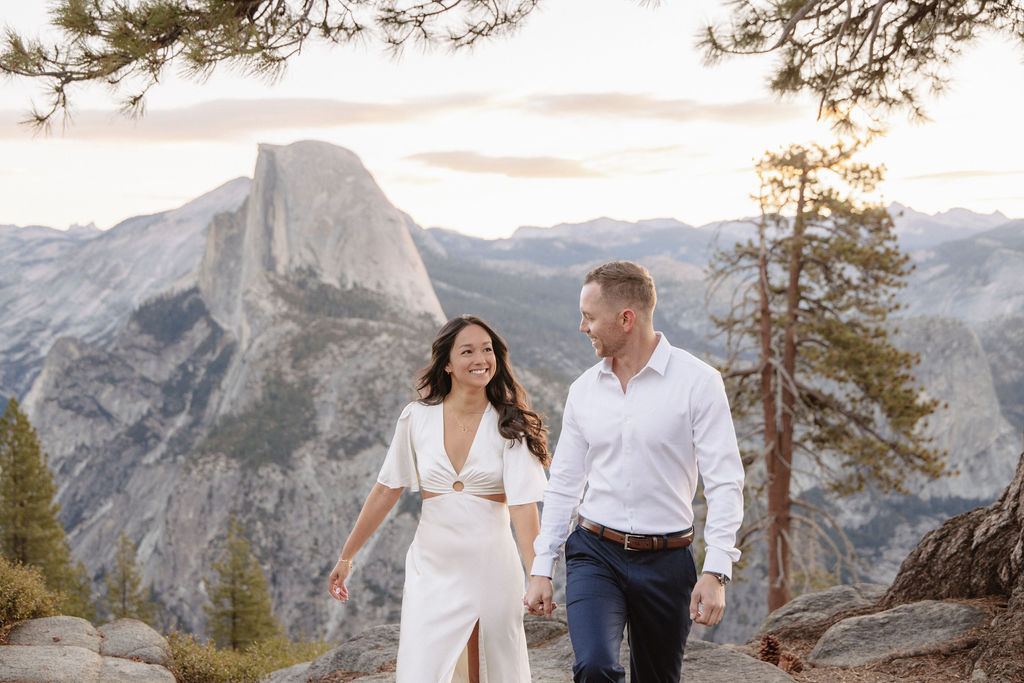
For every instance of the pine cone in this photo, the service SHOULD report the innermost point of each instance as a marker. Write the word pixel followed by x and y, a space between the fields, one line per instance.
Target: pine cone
pixel 790 663
pixel 770 649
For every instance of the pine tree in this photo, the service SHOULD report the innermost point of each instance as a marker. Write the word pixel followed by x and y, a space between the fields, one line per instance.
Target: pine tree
pixel 862 56
pixel 128 45
pixel 832 397
pixel 126 597
pixel 240 609
pixel 30 527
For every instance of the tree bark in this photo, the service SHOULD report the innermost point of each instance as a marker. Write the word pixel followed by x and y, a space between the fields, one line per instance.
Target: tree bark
pixel 979 553
pixel 780 477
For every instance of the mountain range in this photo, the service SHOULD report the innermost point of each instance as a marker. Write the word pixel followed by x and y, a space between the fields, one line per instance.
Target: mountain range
pixel 247 354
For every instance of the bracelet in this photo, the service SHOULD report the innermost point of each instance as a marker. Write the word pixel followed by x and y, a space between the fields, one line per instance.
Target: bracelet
pixel 348 562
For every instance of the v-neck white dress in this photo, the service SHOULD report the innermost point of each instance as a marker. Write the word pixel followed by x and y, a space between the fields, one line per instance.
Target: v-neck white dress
pixel 463 565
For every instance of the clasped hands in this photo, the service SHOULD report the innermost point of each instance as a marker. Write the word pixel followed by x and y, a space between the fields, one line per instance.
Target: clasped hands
pixel 539 597
pixel 707 603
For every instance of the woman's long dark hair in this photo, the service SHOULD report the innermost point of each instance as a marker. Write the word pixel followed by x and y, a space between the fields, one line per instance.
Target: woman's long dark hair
pixel 515 419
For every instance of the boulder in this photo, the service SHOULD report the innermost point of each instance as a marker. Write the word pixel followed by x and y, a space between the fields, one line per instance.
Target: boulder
pixel 371 651
pixel 293 674
pixel 62 631
pixel 58 649
pixel 821 605
pixel 49 664
pixel 117 670
pixel 133 639
pixel 916 629
pixel 712 663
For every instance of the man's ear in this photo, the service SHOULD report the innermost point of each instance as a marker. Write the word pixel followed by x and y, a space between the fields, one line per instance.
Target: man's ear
pixel 628 319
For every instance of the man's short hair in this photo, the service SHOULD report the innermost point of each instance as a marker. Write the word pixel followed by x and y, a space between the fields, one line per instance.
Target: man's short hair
pixel 627 283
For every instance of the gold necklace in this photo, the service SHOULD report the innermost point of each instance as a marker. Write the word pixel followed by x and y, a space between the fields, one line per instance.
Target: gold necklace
pixel 462 428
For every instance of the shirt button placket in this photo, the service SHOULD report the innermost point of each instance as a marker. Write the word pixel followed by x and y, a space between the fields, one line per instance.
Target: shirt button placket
pixel 629 465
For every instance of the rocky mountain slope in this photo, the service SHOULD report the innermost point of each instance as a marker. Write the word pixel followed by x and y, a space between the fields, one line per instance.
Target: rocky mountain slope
pixel 85 283
pixel 264 387
pixel 253 349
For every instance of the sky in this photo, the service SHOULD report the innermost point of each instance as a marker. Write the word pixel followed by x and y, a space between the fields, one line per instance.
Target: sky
pixel 594 108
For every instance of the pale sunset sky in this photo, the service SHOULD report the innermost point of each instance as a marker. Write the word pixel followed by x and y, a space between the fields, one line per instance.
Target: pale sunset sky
pixel 594 108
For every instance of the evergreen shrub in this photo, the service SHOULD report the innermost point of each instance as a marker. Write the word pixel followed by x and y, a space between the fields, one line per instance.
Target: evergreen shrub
pixel 23 594
pixel 196 662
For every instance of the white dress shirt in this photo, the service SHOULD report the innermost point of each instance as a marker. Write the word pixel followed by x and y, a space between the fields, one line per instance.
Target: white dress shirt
pixel 640 452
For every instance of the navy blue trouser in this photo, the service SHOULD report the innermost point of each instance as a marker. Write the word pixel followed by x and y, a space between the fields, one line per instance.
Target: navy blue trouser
pixel 608 588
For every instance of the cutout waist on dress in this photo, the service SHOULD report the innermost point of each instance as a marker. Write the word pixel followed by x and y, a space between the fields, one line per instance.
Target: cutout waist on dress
pixel 495 497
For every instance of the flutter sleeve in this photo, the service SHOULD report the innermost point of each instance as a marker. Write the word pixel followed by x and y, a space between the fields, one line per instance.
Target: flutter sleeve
pixel 399 469
pixel 522 474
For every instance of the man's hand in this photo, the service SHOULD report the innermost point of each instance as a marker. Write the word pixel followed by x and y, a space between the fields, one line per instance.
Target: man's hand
pixel 707 603
pixel 539 594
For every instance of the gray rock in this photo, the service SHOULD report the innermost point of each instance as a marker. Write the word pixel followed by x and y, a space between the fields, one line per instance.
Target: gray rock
pixel 553 662
pixel 822 605
pixel 540 630
pixel 117 670
pixel 712 663
pixel 293 674
pixel 62 631
pixel 920 628
pixel 369 651
pixel 133 639
pixel 49 664
pixel 704 661
pixel 550 662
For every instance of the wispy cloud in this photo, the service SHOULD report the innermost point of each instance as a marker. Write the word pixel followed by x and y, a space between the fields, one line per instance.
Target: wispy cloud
pixel 642 106
pixel 962 175
pixel 513 167
pixel 233 119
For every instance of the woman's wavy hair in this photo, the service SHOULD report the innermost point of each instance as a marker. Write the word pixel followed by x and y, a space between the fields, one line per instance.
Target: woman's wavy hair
pixel 515 419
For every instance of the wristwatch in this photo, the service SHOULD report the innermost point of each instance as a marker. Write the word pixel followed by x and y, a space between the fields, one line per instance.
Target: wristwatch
pixel 722 578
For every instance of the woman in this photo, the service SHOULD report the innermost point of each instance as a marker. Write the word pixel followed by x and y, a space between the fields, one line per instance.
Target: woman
pixel 478 453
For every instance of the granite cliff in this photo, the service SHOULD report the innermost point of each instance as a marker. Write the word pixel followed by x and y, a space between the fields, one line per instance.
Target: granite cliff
pixel 265 387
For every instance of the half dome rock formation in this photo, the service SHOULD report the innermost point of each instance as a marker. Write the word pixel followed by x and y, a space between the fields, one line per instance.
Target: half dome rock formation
pixel 315 213
pixel 266 388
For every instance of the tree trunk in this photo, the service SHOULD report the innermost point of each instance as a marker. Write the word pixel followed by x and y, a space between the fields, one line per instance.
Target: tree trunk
pixel 779 501
pixel 778 487
pixel 979 553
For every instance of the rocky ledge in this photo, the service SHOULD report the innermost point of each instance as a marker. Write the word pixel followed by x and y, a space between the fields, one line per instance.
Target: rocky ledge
pixel 371 656
pixel 71 650
pixel 838 634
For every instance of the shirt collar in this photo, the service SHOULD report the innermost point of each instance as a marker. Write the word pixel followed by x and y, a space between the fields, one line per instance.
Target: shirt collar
pixel 657 362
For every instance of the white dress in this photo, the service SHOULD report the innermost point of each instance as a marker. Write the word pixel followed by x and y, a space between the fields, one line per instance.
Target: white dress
pixel 463 566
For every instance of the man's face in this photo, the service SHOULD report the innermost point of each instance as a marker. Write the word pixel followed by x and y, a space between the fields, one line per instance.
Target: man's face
pixel 601 321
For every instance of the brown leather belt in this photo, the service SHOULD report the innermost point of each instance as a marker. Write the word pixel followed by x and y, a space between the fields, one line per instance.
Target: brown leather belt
pixel 639 541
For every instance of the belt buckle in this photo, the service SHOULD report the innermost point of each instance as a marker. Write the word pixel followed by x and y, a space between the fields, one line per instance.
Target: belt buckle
pixel 625 541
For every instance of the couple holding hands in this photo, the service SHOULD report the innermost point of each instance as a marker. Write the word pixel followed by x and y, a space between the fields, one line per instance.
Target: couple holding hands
pixel 637 428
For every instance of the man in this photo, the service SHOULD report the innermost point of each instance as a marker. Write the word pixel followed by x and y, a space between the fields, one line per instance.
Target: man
pixel 637 428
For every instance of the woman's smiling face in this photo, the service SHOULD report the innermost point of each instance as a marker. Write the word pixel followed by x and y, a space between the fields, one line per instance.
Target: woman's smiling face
pixel 471 362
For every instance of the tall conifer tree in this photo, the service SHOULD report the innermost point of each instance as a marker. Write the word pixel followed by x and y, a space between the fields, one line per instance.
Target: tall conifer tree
pixel 126 596
pixel 811 362
pixel 240 609
pixel 30 527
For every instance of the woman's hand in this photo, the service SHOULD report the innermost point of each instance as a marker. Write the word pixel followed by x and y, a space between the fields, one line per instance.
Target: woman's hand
pixel 336 584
